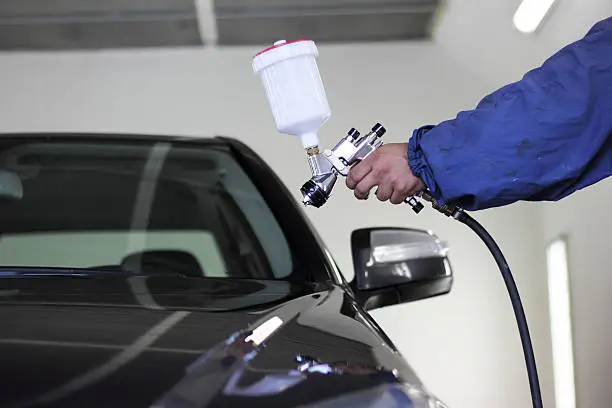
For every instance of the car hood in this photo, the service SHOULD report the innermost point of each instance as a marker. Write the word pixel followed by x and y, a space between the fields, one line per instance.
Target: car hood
pixel 86 341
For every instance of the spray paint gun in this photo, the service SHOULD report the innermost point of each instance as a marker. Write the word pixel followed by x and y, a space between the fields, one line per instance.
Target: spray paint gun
pixel 299 105
pixel 326 166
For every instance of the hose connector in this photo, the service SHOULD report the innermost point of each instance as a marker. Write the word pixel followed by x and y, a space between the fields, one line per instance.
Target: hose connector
pixel 446 209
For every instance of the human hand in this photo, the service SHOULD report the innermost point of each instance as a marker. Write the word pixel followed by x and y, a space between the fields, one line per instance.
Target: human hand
pixel 387 167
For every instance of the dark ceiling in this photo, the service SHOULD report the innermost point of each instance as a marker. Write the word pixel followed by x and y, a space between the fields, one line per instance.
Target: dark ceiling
pixel 95 24
pixel 90 24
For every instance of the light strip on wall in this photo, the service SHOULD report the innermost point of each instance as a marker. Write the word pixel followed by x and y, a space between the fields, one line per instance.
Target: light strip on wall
pixel 561 326
pixel 530 14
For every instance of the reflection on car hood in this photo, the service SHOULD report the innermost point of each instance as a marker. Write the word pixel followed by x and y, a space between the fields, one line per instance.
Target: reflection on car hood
pixel 164 342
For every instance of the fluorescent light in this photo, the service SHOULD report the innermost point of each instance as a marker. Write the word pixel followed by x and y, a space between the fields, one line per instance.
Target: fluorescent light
pixel 560 324
pixel 530 14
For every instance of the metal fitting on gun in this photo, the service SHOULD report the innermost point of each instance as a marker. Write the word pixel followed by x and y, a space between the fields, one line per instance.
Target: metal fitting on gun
pixel 417 207
pixel 446 209
pixel 312 151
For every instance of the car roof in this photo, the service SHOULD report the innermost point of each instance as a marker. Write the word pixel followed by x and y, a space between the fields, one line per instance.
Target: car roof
pixel 205 139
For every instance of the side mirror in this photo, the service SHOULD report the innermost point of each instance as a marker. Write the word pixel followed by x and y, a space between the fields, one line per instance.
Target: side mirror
pixel 398 265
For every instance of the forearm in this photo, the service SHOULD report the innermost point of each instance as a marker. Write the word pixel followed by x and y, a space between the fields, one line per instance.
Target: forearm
pixel 540 138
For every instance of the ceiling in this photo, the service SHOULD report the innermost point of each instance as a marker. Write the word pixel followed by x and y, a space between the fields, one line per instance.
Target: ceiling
pixel 263 21
pixel 95 24
pixel 85 24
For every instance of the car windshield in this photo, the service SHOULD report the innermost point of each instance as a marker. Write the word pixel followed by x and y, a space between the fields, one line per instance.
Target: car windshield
pixel 135 206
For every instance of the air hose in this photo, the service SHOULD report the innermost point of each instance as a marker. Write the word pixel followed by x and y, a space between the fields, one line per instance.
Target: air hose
pixel 521 320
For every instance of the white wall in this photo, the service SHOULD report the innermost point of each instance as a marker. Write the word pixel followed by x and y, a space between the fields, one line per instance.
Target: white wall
pixel 585 219
pixel 464 345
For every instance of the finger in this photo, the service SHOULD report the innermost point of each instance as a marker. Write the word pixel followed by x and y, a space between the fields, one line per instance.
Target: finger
pixel 384 192
pixel 362 189
pixel 398 196
pixel 357 173
pixel 401 190
pixel 416 187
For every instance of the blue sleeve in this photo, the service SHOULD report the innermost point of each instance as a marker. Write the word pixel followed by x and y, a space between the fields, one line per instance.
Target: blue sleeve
pixel 538 139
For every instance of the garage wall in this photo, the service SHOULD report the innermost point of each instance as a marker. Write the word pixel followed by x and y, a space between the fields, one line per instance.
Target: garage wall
pixel 455 342
pixel 584 218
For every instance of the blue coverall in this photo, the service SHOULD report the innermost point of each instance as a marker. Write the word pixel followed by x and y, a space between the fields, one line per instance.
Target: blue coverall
pixel 538 139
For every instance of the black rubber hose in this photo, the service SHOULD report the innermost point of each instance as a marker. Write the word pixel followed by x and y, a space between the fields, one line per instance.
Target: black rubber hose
pixel 521 320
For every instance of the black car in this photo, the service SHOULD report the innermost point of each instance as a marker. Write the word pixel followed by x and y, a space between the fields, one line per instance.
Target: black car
pixel 166 272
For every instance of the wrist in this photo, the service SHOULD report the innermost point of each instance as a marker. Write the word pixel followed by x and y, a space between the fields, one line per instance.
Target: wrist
pixel 417 161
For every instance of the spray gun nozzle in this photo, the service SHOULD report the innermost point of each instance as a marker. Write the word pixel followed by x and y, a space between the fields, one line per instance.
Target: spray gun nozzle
pixel 314 192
